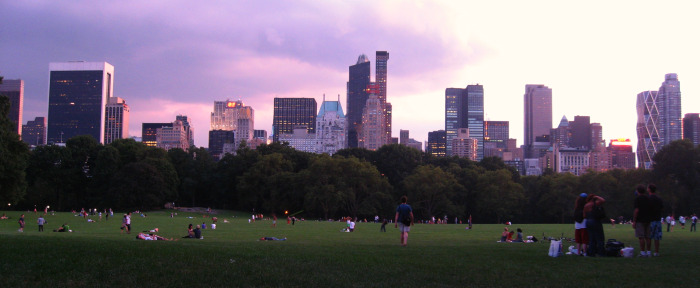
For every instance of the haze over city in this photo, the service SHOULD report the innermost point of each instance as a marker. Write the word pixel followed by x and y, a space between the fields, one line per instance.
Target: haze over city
pixel 177 57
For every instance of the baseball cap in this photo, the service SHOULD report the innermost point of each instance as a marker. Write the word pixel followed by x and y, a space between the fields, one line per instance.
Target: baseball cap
pixel 583 195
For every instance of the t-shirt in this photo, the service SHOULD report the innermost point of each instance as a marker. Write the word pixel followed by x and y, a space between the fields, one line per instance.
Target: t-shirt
pixel 644 212
pixel 197 233
pixel 656 207
pixel 41 221
pixel 404 211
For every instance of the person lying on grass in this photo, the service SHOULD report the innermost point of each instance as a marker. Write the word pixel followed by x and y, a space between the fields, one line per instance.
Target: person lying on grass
pixel 271 239
pixel 63 228
pixel 145 236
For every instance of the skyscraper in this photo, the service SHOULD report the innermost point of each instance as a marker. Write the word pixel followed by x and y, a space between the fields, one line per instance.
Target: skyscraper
pixel 34 133
pixel 382 57
pixel 357 98
pixel 464 108
pixel 217 140
pixel 669 102
pixel 14 90
pixel 691 128
pixel 648 137
pixel 291 113
pixel 78 93
pixel 116 120
pixel 373 132
pixel 658 119
pixel 538 115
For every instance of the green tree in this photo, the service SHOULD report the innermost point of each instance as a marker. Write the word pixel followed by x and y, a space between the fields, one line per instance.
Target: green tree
pixel 498 197
pixel 677 172
pixel 431 189
pixel 263 185
pixel 364 190
pixel 13 158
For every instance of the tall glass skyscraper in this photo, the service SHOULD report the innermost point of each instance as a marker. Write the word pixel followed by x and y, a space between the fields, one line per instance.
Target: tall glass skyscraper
pixel 670 109
pixel 291 113
pixel 14 90
pixel 357 96
pixel 78 93
pixel 381 81
pixel 648 137
pixel 538 115
pixel 658 119
pixel 464 108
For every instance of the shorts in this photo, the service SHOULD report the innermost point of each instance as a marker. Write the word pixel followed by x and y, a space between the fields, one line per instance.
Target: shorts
pixel 581 236
pixel 404 228
pixel 655 230
pixel 642 230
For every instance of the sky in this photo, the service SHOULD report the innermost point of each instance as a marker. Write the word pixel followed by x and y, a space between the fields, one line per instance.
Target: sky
pixel 178 57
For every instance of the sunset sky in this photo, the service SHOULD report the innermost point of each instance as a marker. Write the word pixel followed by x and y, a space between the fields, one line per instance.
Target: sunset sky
pixel 178 57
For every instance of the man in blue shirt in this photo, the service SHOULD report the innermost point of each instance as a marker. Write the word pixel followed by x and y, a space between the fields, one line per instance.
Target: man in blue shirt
pixel 404 219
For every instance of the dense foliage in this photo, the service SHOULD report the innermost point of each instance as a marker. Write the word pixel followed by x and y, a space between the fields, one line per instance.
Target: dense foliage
pixel 354 182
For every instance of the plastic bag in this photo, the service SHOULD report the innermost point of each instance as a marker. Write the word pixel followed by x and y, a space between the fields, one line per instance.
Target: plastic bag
pixel 555 248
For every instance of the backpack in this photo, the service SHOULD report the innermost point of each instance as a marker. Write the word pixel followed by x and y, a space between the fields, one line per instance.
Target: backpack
pixel 406 221
pixel 613 247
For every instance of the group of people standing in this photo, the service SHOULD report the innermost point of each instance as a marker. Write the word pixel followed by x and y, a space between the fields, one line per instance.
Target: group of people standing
pixel 588 217
pixel 646 219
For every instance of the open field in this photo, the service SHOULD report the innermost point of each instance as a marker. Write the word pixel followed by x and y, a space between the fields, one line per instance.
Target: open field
pixel 317 254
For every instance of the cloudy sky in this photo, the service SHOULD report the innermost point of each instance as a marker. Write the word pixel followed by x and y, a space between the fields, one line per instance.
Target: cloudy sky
pixel 178 57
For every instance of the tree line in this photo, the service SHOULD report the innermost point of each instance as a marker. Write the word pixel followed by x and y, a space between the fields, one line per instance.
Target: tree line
pixel 126 175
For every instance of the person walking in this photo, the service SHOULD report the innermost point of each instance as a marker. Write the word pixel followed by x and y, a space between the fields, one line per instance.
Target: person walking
pixel 41 223
pixel 21 223
pixel 404 219
pixel 128 223
pixel 693 223
pixel 594 215
pixel 655 228
pixel 668 223
pixel 641 219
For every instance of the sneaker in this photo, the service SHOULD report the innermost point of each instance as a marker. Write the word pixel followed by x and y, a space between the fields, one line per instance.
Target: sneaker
pixel 656 254
pixel 643 255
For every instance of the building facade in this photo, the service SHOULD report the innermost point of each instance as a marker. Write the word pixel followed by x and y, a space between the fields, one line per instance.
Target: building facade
pixel 464 108
pixel 78 93
pixel 658 119
pixel 359 79
pixel 116 120
pixel 622 154
pixel 291 113
pixel 175 136
pixel 373 132
pixel 330 128
pixel 149 132
pixel 14 90
pixel 34 133
pixel 217 140
pixel 538 115
pixel 465 146
pixel 436 143
pixel 300 139
pixel 691 128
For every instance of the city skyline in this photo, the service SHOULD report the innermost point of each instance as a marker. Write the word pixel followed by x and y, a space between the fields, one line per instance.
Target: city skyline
pixel 176 60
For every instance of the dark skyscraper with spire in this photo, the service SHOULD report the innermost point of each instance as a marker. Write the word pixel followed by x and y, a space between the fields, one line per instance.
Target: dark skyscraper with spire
pixel 357 96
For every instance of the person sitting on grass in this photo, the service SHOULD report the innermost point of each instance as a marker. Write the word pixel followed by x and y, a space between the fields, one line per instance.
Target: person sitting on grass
pixel 504 235
pixel 197 233
pixel 519 237
pixel 190 232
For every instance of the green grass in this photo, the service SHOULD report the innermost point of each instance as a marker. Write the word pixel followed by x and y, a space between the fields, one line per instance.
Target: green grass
pixel 317 254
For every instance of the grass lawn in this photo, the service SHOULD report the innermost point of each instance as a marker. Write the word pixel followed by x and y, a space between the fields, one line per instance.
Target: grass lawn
pixel 317 254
